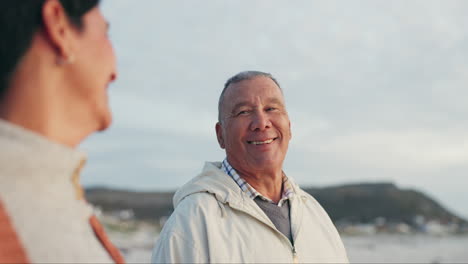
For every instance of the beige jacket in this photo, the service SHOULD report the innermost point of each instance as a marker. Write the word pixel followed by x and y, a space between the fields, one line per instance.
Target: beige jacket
pixel 214 221
pixel 43 215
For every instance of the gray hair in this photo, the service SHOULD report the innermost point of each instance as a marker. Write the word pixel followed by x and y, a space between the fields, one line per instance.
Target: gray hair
pixel 242 76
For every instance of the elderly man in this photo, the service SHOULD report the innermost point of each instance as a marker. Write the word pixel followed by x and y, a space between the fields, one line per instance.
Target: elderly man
pixel 245 209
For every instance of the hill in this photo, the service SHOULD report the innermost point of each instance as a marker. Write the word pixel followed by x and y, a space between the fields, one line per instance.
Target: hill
pixel 357 203
pixel 145 205
pixel 363 203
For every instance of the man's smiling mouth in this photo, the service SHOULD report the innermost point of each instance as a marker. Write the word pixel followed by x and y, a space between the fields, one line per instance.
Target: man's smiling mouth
pixel 268 141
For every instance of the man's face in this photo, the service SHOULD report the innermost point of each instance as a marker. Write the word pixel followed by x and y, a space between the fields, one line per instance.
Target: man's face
pixel 255 129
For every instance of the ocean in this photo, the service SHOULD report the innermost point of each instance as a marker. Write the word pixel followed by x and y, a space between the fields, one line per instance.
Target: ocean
pixel 381 248
pixel 407 249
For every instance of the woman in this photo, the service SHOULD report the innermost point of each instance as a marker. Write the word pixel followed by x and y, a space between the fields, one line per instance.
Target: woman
pixel 56 63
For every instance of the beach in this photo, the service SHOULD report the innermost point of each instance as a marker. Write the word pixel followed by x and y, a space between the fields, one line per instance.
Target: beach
pixel 380 248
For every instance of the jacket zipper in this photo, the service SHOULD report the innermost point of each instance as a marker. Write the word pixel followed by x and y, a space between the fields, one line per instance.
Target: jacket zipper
pixel 295 257
pixel 294 252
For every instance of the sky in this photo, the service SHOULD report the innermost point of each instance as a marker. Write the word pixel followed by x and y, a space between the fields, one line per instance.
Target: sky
pixel 375 90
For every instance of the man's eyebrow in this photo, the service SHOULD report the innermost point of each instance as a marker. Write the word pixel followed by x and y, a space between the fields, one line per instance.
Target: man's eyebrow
pixel 274 100
pixel 239 105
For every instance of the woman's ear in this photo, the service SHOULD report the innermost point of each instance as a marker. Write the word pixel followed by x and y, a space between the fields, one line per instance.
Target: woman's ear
pixel 58 30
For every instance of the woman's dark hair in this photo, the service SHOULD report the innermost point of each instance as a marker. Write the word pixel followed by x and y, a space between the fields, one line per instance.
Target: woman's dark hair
pixel 19 20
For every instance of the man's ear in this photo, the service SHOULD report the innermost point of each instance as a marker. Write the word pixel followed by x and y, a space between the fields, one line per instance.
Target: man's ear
pixel 57 28
pixel 219 135
pixel 290 133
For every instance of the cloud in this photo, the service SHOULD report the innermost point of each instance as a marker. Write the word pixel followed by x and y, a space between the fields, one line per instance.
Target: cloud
pixel 413 150
pixel 375 90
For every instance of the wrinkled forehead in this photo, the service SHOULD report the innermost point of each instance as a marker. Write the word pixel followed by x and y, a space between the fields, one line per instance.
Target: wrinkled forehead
pixel 259 88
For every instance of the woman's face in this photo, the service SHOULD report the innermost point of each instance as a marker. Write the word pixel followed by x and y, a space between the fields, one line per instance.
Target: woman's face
pixel 93 69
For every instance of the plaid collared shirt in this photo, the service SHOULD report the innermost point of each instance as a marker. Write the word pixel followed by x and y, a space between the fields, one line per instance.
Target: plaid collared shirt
pixel 250 191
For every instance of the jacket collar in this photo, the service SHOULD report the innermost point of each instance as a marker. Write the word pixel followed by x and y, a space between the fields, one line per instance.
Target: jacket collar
pixel 213 180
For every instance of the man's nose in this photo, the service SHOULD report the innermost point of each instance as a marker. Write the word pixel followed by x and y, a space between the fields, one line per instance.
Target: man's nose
pixel 260 121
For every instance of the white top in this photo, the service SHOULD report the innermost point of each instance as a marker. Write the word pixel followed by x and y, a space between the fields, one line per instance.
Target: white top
pixel 41 200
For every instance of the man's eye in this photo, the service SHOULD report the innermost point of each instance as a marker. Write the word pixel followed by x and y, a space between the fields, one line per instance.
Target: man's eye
pixel 271 109
pixel 244 112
